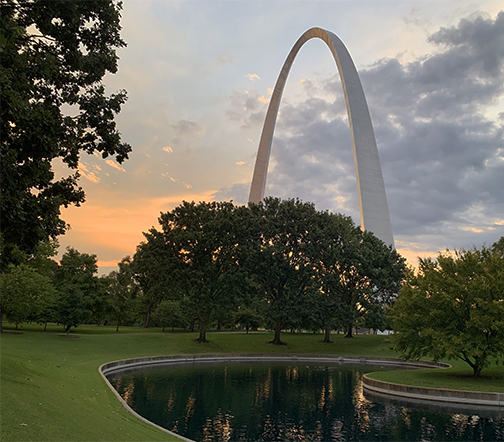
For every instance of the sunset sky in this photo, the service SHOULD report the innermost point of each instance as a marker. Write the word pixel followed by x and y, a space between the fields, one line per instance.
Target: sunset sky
pixel 199 76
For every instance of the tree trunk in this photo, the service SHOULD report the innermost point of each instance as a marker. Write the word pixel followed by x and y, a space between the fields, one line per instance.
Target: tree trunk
pixel 219 325
pixel 163 328
pixel 191 327
pixel 247 328
pixel 172 328
pixel 477 372
pixel 327 336
pixel 147 315
pixel 349 331
pixel 118 323
pixel 202 336
pixel 1 321
pixel 278 329
pixel 45 326
pixel 68 331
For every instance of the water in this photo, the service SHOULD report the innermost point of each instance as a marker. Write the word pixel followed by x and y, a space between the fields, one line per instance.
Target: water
pixel 289 402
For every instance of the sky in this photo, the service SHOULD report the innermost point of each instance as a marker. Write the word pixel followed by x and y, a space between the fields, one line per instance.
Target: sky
pixel 199 75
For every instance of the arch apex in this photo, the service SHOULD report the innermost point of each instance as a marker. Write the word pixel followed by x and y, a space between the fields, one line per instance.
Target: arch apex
pixel 373 205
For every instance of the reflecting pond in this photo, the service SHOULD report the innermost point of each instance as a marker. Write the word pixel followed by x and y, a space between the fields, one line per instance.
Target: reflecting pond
pixel 288 402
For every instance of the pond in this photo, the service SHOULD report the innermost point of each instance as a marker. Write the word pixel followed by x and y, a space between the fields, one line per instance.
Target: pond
pixel 288 402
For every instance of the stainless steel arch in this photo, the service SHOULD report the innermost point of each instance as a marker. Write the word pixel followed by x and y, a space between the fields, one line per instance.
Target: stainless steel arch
pixel 373 205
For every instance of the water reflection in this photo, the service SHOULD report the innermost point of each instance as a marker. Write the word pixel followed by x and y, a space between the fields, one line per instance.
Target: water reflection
pixel 288 402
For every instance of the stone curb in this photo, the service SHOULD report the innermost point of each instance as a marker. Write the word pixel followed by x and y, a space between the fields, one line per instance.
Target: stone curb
pixel 433 394
pixel 133 363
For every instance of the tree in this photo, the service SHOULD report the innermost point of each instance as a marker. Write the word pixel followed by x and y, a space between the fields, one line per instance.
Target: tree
pixel 453 308
pixel 54 55
pixel 168 314
pixel 360 275
pixel 122 291
pixel 152 268
pixel 23 293
pixel 282 262
pixel 498 246
pixel 199 249
pixel 247 318
pixel 81 293
pixel 335 233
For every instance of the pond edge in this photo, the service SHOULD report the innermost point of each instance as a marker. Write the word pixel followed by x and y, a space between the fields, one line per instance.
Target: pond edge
pixel 125 364
pixel 433 394
pixel 402 391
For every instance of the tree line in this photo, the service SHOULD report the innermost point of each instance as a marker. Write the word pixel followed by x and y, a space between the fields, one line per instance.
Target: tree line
pixel 280 264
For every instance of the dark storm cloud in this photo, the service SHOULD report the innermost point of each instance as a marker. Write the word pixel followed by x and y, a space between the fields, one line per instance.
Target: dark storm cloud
pixel 440 146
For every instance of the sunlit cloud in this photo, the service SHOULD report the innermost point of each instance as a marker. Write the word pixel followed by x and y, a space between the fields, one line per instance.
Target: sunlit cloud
pixel 270 91
pixel 86 173
pixel 115 165
pixel 253 77
pixel 263 99
pixel 168 149
pixel 241 163
pixel 188 186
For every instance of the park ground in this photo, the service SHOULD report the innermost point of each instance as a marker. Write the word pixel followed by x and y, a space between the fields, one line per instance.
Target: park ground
pixel 51 389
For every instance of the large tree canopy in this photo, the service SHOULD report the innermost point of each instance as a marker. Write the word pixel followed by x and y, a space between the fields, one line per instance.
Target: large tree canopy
pixel 453 308
pixel 54 55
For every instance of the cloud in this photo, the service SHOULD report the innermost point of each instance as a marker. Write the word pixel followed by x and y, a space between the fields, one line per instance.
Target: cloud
pixel 188 128
pixel 86 173
pixel 114 165
pixel 168 149
pixel 238 192
pixel 263 99
pixel 241 163
pixel 224 58
pixel 253 77
pixel 440 145
pixel 246 108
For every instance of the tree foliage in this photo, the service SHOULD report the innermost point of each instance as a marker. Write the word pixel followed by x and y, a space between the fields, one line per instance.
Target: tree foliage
pixel 168 314
pixel 152 268
pixel 453 308
pixel 54 55
pixel 81 293
pixel 198 248
pixel 23 293
pixel 282 262
pixel 122 292
pixel 295 266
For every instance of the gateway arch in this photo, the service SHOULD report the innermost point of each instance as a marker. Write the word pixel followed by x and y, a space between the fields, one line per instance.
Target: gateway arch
pixel 373 205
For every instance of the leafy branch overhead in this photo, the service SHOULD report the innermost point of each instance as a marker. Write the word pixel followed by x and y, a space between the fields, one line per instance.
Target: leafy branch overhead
pixel 54 56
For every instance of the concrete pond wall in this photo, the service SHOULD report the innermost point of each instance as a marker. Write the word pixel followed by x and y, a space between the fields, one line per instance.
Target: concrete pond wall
pixel 494 400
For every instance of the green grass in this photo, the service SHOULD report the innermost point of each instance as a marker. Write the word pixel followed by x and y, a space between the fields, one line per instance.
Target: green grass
pixel 459 377
pixel 51 389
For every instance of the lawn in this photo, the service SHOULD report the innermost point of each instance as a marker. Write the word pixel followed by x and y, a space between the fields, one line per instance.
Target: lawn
pixel 51 389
